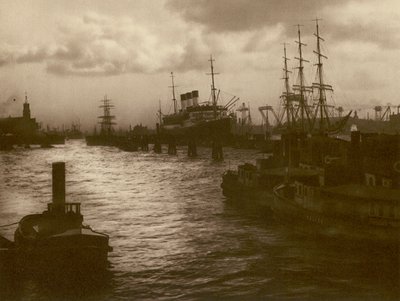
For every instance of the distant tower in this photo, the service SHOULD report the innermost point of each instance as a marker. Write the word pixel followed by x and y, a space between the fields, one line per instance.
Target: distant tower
pixel 27 111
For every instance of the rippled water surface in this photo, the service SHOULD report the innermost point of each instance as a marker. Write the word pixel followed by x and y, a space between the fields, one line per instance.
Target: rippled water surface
pixel 175 237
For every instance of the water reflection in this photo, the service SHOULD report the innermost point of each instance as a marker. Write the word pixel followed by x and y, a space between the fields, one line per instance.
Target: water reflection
pixel 43 284
pixel 175 237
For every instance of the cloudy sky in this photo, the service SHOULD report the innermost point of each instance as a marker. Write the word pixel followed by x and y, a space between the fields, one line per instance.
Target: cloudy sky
pixel 68 54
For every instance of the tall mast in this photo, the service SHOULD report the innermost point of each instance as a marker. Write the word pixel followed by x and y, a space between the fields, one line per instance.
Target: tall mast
pixel 173 92
pixel 213 89
pixel 159 111
pixel 287 87
pixel 106 122
pixel 322 105
pixel 302 100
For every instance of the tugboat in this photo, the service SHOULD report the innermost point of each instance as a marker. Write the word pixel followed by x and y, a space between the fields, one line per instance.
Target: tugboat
pixel 57 238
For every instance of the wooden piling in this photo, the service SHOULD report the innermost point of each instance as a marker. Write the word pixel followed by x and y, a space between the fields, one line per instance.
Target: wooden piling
pixel 192 148
pixel 172 146
pixel 157 146
pixel 217 152
pixel 58 184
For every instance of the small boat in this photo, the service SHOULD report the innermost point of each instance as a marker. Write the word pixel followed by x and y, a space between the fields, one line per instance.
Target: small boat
pixel 57 237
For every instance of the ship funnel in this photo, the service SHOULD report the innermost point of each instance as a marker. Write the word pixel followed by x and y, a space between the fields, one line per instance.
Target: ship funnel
pixel 183 102
pixel 58 184
pixel 189 99
pixel 195 98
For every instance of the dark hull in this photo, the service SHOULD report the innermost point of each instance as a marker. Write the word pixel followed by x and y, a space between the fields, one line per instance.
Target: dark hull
pixel 74 247
pixel 324 224
pixel 203 129
pixel 257 197
pixel 72 258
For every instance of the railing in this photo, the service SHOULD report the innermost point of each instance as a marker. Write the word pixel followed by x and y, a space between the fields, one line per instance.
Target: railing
pixel 68 208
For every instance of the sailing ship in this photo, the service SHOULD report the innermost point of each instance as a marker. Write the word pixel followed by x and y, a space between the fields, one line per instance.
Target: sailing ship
pixel 298 120
pixel 354 192
pixel 106 135
pixel 198 119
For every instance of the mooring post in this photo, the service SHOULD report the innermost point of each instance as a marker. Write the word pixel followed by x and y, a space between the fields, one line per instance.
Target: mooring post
pixel 145 143
pixel 172 146
pixel 216 152
pixel 192 148
pixel 58 185
pixel 157 146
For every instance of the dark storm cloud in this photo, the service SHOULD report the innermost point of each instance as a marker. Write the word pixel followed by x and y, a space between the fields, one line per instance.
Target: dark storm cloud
pixel 383 35
pixel 243 15
pixel 98 45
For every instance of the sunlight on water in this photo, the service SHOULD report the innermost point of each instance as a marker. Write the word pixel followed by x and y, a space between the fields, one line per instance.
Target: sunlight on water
pixel 176 237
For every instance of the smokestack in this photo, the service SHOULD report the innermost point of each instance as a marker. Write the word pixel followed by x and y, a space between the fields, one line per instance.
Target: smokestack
pixel 58 184
pixel 189 100
pixel 195 97
pixel 183 102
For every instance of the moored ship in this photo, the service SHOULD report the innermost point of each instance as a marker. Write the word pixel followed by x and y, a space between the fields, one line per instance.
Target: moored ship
pixel 198 119
pixel 355 194
pixel 298 121
pixel 106 136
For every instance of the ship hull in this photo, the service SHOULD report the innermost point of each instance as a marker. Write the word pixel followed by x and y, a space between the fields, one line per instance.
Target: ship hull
pixel 257 197
pixel 314 223
pixel 202 129
pixel 73 249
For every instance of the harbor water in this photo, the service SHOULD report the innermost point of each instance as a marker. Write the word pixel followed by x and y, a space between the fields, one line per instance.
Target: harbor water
pixel 175 237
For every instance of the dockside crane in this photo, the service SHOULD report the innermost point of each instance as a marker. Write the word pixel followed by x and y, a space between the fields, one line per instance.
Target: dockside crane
pixel 265 116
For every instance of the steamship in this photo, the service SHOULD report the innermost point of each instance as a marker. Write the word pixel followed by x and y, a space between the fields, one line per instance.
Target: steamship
pixel 198 119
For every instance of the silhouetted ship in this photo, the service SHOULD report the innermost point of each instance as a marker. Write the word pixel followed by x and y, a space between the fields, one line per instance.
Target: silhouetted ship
pixel 297 121
pixel 106 136
pixel 352 190
pixel 74 132
pixel 198 119
pixel 57 238
pixel 329 186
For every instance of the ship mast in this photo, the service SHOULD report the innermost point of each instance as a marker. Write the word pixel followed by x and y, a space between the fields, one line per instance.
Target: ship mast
pixel 173 92
pixel 213 89
pixel 286 94
pixel 159 111
pixel 106 122
pixel 302 101
pixel 321 108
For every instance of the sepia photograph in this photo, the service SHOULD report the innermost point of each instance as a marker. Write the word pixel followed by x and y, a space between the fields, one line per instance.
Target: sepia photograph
pixel 199 150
